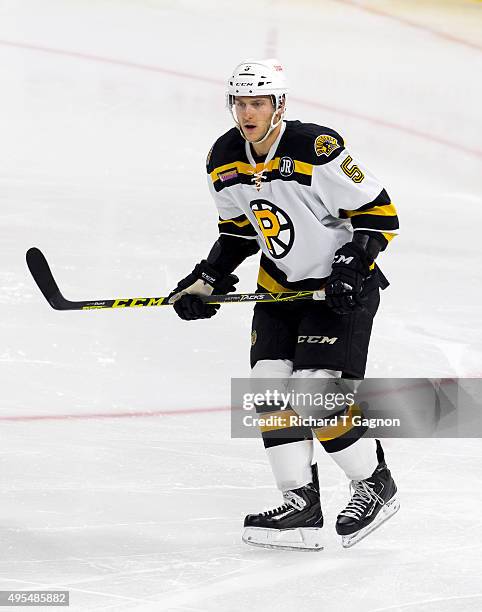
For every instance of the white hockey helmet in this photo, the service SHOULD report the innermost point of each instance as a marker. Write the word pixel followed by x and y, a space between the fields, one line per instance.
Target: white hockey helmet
pixel 258 78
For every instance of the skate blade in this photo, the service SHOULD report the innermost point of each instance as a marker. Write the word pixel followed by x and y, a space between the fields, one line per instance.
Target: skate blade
pixel 388 510
pixel 302 538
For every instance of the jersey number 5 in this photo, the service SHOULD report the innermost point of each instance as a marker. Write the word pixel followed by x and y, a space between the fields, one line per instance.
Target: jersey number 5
pixel 352 172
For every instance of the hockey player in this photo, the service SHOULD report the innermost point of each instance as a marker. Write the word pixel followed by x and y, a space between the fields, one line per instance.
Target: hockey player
pixel 320 218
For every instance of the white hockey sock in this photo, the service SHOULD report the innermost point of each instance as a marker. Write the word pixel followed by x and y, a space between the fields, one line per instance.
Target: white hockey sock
pixel 359 460
pixel 291 464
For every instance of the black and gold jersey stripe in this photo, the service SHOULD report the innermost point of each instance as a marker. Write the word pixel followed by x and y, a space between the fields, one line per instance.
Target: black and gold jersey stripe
pixel 228 149
pixel 286 429
pixel 338 437
pixel 272 279
pixel 380 215
pixel 306 144
pixel 238 172
pixel 239 226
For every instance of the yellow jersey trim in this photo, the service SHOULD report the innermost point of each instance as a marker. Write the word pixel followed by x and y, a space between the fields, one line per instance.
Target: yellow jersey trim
pixel 243 168
pixel 238 223
pixel 268 282
pixel 281 418
pixel 388 210
pixel 324 434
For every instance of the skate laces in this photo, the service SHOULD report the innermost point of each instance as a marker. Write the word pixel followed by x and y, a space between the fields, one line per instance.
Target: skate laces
pixel 363 493
pixel 278 510
pixel 293 501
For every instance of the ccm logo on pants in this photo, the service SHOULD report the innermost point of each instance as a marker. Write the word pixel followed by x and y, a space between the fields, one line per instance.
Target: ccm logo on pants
pixel 317 339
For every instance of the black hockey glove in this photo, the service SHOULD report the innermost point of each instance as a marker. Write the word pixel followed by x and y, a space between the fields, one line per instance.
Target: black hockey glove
pixel 203 280
pixel 344 286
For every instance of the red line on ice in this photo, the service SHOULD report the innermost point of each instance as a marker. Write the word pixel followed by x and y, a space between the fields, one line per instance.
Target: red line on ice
pixel 408 22
pixel 175 412
pixel 394 126
pixel 111 415
pixel 185 75
pixel 109 60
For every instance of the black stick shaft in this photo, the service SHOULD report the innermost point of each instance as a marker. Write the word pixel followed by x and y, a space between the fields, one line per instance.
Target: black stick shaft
pixel 43 276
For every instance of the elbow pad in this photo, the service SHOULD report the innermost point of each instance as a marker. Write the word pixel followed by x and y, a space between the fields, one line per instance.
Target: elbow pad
pixel 228 252
pixel 369 243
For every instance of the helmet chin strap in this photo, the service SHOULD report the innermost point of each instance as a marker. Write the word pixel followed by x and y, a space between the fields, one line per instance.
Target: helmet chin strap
pixel 272 126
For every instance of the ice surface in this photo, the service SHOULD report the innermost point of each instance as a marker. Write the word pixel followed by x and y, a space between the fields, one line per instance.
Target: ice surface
pixel 130 492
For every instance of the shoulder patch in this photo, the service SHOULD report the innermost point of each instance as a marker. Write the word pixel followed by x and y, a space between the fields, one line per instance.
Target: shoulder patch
pixel 228 175
pixel 310 143
pixel 325 145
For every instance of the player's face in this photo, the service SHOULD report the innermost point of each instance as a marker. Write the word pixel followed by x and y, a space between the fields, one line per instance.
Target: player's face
pixel 254 115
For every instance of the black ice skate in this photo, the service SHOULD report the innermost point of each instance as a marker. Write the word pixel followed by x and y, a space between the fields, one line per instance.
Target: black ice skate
pixel 374 500
pixel 295 525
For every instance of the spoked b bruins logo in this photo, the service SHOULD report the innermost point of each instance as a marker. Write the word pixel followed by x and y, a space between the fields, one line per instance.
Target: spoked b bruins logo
pixel 276 227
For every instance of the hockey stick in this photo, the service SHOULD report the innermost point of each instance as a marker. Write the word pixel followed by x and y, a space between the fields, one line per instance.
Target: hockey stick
pixel 42 275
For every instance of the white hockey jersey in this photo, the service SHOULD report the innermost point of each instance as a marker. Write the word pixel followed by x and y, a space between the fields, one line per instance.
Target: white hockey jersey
pixel 301 203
